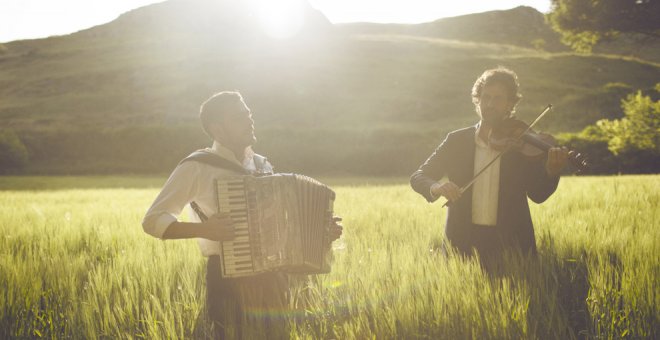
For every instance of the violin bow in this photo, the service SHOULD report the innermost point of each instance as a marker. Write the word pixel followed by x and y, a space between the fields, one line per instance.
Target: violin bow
pixel 474 179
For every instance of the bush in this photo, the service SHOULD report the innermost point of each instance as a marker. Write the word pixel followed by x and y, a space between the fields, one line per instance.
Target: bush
pixel 601 159
pixel 627 145
pixel 13 154
pixel 639 130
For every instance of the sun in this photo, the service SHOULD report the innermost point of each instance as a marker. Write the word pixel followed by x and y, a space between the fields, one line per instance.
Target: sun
pixel 280 18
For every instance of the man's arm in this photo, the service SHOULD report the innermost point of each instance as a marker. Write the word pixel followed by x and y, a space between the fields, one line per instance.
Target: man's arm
pixel 161 220
pixel 540 184
pixel 335 228
pixel 218 227
pixel 183 230
pixel 428 174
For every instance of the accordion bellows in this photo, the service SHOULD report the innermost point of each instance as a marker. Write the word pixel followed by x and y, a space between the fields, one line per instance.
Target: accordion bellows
pixel 281 223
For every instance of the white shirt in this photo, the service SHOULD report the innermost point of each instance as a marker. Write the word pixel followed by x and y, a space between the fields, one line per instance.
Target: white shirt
pixel 486 189
pixel 193 181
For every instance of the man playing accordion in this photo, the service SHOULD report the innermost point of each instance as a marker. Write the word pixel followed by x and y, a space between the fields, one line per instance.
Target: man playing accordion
pixel 228 121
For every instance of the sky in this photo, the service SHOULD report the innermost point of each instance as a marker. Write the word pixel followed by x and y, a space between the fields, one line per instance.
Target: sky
pixel 30 19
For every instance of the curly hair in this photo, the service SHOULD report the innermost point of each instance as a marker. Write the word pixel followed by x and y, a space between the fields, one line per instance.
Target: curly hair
pixel 499 75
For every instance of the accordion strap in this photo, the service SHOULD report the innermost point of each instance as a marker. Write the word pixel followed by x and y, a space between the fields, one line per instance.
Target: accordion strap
pixel 214 160
pixel 198 211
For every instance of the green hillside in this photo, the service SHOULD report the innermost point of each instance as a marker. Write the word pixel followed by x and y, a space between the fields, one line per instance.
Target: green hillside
pixel 123 97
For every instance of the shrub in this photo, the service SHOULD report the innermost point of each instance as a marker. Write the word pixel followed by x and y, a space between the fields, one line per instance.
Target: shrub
pixel 13 154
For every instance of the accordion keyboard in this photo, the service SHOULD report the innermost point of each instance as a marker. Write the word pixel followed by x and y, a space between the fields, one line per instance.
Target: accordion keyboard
pixel 280 224
pixel 237 256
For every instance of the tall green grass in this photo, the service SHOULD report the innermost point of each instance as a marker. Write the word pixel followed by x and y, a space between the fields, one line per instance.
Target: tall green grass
pixel 74 263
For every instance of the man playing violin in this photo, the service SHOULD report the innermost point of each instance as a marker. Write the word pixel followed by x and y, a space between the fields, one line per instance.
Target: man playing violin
pixel 491 215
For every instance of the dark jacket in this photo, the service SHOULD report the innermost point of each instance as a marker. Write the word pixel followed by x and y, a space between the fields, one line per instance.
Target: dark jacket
pixel 519 178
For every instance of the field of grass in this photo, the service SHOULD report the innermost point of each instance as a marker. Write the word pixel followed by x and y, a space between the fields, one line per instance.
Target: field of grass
pixel 75 263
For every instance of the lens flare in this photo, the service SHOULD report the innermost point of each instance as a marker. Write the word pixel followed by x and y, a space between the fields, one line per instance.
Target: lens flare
pixel 281 18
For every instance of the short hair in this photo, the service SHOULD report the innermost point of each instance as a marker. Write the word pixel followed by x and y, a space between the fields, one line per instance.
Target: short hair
pixel 499 75
pixel 212 109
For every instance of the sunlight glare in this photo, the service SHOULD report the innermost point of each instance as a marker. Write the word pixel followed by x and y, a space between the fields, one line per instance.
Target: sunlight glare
pixel 280 18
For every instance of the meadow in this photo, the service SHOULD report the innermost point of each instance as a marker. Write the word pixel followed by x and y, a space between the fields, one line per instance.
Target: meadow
pixel 75 263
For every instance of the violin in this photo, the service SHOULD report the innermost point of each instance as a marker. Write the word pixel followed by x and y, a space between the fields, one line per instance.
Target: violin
pixel 514 134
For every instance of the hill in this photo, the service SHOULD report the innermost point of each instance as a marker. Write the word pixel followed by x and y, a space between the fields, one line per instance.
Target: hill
pixel 124 96
pixel 521 26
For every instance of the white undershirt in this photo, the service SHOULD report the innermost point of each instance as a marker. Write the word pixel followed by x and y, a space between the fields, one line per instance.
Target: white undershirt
pixel 485 190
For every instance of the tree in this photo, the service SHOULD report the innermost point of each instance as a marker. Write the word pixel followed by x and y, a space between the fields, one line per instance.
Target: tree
pixel 582 23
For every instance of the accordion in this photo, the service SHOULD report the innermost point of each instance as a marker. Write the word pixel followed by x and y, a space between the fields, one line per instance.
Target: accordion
pixel 281 224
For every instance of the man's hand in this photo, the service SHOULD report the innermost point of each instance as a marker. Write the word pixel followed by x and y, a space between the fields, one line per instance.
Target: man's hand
pixel 219 227
pixel 449 190
pixel 335 229
pixel 557 159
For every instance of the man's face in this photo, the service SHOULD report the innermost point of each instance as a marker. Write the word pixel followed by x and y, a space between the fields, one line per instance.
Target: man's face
pixel 236 128
pixel 494 103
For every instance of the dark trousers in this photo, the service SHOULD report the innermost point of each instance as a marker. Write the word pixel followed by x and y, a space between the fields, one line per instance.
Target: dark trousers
pixel 491 245
pixel 246 307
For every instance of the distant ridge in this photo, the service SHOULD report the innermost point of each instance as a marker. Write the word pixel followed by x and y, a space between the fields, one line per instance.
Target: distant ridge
pixel 521 26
